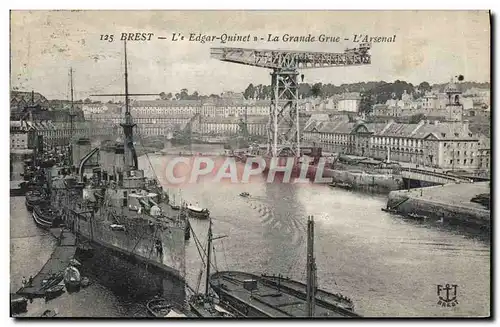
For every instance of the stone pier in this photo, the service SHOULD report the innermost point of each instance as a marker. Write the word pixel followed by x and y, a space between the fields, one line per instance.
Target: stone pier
pixel 448 202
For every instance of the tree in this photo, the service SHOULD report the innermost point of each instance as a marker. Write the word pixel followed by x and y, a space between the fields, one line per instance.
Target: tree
pixel 249 92
pixel 424 87
pixel 304 90
pixel 87 100
pixel 184 94
pixel 316 90
pixel 169 96
pixel 366 103
pixel 163 96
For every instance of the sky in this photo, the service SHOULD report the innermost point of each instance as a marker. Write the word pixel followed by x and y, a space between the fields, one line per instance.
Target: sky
pixel 430 46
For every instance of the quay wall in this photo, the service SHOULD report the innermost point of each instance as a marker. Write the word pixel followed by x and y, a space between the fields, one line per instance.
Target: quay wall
pixel 379 183
pixel 405 202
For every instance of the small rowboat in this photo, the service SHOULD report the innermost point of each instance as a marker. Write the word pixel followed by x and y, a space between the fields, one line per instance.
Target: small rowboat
pixel 18 304
pixel 45 216
pixel 33 198
pixel 159 308
pixel 49 314
pixel 175 207
pixel 72 278
pixel 197 212
pixel 345 186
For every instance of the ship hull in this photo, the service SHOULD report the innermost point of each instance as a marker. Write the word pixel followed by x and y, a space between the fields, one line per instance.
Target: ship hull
pixel 39 221
pixel 132 258
pixel 129 275
pixel 42 220
pixel 267 299
pixel 198 214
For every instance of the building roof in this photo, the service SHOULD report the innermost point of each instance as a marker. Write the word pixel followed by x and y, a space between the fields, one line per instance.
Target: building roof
pixel 375 128
pixel 399 130
pixel 18 96
pixel 165 103
pixel 444 130
pixel 338 127
pixel 235 120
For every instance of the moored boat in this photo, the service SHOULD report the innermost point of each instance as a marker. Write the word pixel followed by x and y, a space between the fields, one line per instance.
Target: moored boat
pixel 161 308
pixel 72 278
pixel 45 216
pixel 33 197
pixel 335 299
pixel 119 212
pixel 345 186
pixel 245 194
pixel 205 305
pixel 271 296
pixel 18 304
pixel 49 314
pixel 197 212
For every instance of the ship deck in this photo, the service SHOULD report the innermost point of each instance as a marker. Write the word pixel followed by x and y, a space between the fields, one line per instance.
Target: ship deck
pixel 267 299
pixel 57 262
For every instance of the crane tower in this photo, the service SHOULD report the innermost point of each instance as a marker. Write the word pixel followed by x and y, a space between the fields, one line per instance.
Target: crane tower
pixel 283 127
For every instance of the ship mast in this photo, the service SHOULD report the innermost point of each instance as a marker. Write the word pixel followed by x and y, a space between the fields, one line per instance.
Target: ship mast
pixel 71 116
pixel 311 269
pixel 209 252
pixel 128 125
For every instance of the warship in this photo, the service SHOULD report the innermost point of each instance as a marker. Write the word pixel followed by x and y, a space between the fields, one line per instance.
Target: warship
pixel 120 214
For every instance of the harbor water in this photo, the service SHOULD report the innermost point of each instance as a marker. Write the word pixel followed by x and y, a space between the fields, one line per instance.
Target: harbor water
pixel 388 265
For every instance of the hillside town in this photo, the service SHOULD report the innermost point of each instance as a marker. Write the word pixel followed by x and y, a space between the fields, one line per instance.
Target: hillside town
pixel 446 128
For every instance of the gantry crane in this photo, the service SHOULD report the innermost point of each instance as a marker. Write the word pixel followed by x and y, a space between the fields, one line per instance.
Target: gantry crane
pixel 283 126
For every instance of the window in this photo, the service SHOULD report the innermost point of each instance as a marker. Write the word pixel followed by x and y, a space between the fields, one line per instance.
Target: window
pixel 451 161
pixel 472 161
pixel 465 161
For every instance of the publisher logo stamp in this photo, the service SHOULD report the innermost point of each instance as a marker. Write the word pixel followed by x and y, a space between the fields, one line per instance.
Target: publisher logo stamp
pixel 447 295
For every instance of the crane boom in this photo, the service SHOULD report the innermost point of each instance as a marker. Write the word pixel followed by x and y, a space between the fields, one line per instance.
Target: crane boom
pixel 279 59
pixel 283 128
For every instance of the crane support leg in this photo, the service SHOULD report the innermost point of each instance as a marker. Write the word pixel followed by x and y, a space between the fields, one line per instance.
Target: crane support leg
pixel 283 127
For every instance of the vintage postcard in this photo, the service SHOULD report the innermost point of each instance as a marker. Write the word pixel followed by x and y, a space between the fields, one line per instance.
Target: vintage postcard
pixel 242 164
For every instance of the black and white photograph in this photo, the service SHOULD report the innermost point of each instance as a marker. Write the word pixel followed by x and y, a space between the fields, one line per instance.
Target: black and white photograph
pixel 240 164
